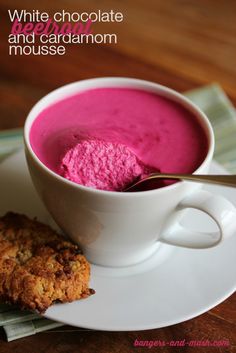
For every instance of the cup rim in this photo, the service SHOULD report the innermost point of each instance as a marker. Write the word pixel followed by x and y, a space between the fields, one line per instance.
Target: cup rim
pixel 121 82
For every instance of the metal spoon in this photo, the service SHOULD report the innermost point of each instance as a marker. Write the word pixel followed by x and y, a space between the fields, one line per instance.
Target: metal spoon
pixel 225 180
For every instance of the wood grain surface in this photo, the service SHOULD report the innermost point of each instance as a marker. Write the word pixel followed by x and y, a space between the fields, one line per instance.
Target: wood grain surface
pixel 179 43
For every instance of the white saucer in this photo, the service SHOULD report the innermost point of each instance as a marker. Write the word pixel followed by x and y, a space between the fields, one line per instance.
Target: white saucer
pixel 173 286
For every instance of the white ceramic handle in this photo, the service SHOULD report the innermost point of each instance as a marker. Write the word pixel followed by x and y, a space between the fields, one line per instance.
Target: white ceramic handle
pixel 218 208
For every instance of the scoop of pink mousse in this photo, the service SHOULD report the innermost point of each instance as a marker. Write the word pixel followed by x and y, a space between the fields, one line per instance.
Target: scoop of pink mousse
pixel 101 165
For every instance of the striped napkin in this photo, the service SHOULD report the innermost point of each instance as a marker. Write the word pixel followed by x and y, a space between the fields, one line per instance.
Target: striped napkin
pixel 213 101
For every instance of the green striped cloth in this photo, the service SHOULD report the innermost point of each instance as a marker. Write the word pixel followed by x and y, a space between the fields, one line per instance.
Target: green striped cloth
pixel 213 101
pixel 10 141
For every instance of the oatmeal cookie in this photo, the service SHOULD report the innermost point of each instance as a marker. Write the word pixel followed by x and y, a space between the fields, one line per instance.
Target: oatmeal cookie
pixel 38 266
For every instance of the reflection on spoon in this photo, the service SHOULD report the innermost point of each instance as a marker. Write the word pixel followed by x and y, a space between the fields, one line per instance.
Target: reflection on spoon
pixel 224 180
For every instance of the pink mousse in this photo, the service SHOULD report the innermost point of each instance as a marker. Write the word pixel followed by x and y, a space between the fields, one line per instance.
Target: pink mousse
pixel 161 133
pixel 101 165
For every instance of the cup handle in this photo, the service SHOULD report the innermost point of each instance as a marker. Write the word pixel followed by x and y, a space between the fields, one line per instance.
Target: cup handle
pixel 217 207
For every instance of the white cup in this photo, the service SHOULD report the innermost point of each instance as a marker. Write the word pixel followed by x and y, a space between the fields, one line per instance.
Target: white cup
pixel 121 229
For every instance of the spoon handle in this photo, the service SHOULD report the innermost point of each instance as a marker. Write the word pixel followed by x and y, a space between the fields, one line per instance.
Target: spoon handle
pixel 226 180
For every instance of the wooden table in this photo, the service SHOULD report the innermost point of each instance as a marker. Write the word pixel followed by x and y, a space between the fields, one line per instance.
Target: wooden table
pixel 179 43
